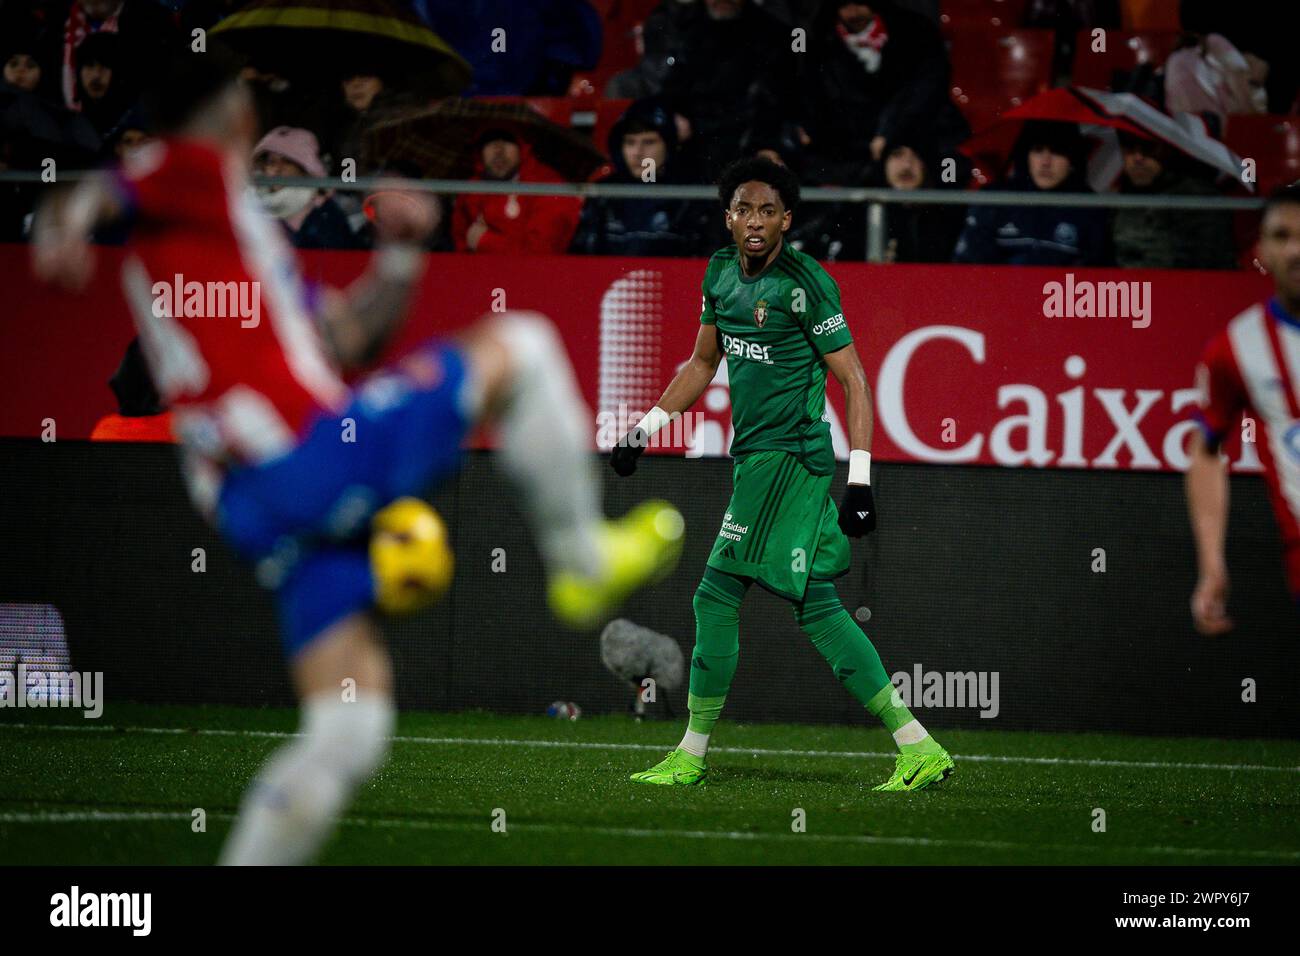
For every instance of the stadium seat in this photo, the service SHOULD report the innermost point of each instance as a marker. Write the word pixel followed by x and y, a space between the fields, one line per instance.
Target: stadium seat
pixel 1124 53
pixel 994 70
pixel 1273 142
pixel 961 15
pixel 1156 15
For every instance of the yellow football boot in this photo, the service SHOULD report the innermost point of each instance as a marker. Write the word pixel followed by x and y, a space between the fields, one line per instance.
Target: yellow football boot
pixel 639 549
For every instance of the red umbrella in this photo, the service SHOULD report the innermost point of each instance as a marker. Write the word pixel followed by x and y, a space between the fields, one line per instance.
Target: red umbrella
pixel 1096 112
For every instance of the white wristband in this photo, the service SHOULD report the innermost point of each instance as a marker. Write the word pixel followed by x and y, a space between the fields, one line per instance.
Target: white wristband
pixel 859 467
pixel 654 420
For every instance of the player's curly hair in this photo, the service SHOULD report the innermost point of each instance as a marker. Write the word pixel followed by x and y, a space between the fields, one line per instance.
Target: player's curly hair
pixel 756 169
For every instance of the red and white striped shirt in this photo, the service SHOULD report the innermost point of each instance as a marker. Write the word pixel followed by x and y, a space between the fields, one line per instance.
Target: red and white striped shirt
pixel 244 375
pixel 1253 367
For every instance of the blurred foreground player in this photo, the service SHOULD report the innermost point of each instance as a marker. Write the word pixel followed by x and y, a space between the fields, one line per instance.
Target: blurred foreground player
pixel 297 470
pixel 775 315
pixel 1253 367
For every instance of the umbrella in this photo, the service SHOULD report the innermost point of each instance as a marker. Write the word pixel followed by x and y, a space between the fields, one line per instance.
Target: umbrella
pixel 441 141
pixel 1099 114
pixel 310 37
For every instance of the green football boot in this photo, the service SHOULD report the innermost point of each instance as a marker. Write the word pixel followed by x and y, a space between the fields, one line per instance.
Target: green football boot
pixel 916 771
pixel 678 769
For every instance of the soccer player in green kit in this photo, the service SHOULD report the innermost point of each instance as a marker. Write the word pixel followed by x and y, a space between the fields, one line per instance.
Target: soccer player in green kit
pixel 775 315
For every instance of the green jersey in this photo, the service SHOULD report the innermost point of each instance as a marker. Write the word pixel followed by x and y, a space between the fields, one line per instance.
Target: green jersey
pixel 773 330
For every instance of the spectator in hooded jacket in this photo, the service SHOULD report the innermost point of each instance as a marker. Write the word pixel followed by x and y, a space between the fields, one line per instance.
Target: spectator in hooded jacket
pixel 367 92
pixel 144 30
pixel 1049 159
pixel 103 89
pixel 732 82
pixel 21 64
pixel 34 124
pixel 917 233
pixel 1155 238
pixel 643 148
pixel 31 107
pixel 871 71
pixel 513 223
pixel 659 42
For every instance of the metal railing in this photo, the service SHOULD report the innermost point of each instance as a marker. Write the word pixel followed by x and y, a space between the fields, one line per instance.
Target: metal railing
pixel 875 197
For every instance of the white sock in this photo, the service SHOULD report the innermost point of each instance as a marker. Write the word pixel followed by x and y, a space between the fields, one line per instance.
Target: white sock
pixel 545 440
pixel 910 733
pixel 291 808
pixel 694 743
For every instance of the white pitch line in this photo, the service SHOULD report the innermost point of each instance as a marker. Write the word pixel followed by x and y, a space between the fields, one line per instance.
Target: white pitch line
pixel 756 751
pixel 126 816
pixel 96 816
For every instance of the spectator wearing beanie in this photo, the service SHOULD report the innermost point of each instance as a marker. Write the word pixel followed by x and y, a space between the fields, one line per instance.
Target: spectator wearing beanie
pixel 26 63
pixel 1049 158
pixel 311 218
pixel 643 149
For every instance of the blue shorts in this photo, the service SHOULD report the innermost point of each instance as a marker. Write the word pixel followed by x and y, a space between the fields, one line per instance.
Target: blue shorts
pixel 304 518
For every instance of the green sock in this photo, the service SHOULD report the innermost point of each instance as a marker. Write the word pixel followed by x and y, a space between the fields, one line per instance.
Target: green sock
pixel 717 647
pixel 856 663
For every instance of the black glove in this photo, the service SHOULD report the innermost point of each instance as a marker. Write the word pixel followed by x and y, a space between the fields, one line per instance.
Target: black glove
pixel 858 511
pixel 623 458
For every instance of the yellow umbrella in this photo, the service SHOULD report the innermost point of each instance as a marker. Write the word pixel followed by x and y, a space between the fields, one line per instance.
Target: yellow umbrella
pixel 315 38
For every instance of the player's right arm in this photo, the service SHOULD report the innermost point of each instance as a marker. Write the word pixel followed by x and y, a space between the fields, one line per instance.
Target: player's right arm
pixel 1221 401
pixel 61 250
pixel 357 322
pixel 1207 507
pixel 682 392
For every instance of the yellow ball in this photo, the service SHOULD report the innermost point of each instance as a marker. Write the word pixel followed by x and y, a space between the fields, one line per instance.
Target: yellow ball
pixel 410 556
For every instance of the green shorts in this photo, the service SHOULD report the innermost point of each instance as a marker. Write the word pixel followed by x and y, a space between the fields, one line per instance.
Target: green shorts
pixel 781 527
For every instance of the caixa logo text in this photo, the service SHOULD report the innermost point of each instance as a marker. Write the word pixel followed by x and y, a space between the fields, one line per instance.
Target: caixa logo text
pixel 1077 427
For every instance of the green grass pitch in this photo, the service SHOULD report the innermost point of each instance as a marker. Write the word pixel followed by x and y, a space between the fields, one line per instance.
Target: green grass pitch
pixel 75 791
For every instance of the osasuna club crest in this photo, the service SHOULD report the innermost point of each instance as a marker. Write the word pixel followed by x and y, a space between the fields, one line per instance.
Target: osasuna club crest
pixel 760 313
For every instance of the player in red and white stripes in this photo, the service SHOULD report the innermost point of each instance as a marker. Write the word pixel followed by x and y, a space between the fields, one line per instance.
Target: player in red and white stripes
pixel 1252 367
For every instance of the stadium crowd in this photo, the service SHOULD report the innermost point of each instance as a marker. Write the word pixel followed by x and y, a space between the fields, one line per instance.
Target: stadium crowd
pixel 865 95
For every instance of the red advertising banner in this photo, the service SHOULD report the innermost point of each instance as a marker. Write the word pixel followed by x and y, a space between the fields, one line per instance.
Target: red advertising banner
pixel 1009 366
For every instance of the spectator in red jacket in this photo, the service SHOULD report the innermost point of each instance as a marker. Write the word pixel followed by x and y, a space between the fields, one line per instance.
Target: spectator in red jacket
pixel 512 223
